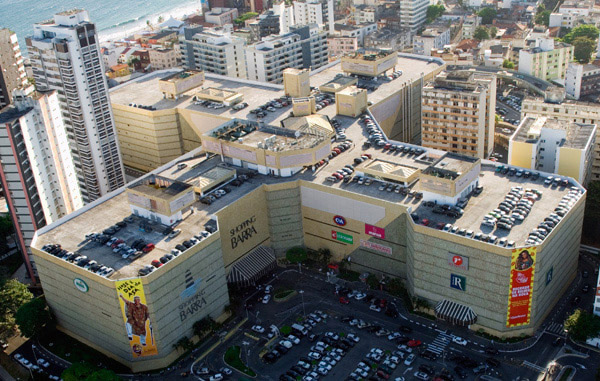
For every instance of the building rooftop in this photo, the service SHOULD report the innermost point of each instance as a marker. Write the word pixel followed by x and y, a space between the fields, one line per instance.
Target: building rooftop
pixel 578 135
pixel 70 231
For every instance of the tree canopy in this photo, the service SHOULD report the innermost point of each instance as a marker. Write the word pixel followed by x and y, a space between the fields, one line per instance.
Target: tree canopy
pixel 13 295
pixel 589 31
pixel 543 18
pixel 583 48
pixel 508 64
pixel 582 325
pixel 83 371
pixel 487 15
pixel 481 33
pixel 434 11
pixel 32 316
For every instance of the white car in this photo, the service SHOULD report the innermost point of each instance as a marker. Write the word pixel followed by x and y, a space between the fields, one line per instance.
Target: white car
pixel 459 341
pixel 18 357
pixel 322 371
pixel 258 329
pixel 409 360
pixel 330 360
pixel 268 289
pixel 353 337
pixel 293 339
pixel 226 371
pixel 326 365
pixel 266 299
pixel 332 336
pixel 394 335
pixel 360 296
pixel 361 372
pixel 285 343
pixel 375 308
pixel 43 363
pixel 314 355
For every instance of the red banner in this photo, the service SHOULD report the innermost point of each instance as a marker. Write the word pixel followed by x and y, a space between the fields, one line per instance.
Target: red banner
pixel 522 269
pixel 375 231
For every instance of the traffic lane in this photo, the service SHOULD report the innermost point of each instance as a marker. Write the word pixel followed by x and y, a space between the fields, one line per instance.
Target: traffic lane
pixel 27 351
pixel 511 113
pixel 585 367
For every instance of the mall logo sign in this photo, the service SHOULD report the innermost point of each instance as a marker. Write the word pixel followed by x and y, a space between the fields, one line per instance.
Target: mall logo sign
pixel 459 261
pixel 243 232
pixel 81 285
pixel 339 220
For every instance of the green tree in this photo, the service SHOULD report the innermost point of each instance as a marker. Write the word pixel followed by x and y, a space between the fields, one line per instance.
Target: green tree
pixel 434 11
pixel 184 344
pixel 543 18
pixel 13 295
pixel 324 255
pixel 6 228
pixel 33 316
pixel 508 64
pixel 205 325
pixel 395 287
pixel 589 31
pixel 582 325
pixel 83 371
pixel 373 282
pixel 481 33
pixel 487 15
pixel 493 31
pixel 241 19
pixel 583 48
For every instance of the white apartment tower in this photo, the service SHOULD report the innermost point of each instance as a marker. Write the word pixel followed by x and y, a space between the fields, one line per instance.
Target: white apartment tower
pixel 65 56
pixel 318 12
pixel 413 14
pixel 303 48
pixel 213 52
pixel 37 171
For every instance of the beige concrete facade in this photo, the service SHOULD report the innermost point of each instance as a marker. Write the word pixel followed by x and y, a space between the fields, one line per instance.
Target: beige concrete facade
pixel 351 101
pixel 296 82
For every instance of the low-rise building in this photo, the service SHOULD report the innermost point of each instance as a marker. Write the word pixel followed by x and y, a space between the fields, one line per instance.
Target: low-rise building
pixel 340 46
pixel 388 39
pixel 359 31
pixel 221 16
pixel 370 63
pixel 568 111
pixel 470 23
pixel 431 39
pixel 161 59
pixel 546 59
pixel 554 146
pixel 318 12
pixel 117 71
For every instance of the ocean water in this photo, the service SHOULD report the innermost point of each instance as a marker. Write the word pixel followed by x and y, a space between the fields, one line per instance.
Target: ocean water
pixel 113 18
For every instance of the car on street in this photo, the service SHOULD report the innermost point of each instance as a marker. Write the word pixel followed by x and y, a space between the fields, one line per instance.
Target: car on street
pixel 266 299
pixel 258 329
pixel 410 359
pixel 459 340
pixel 414 343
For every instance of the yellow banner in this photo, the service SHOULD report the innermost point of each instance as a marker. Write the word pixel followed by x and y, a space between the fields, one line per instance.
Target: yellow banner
pixel 136 316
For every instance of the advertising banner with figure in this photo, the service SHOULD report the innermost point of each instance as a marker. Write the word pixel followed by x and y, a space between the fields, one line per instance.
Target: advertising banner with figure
pixel 136 316
pixel 522 269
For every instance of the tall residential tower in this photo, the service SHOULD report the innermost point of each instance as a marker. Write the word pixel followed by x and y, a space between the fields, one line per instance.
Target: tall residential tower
pixel 65 56
pixel 12 71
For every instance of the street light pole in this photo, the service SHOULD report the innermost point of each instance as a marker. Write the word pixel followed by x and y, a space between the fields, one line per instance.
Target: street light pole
pixel 302 295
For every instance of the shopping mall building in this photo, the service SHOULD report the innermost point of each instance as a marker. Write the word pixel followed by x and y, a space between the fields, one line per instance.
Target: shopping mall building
pixel 280 199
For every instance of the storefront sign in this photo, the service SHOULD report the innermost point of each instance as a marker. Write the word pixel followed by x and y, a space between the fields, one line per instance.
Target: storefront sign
pixel 375 246
pixel 137 317
pixel 459 261
pixel 458 282
pixel 242 232
pixel 342 237
pixel 522 269
pixel 375 231
pixel 339 220
pixel 81 285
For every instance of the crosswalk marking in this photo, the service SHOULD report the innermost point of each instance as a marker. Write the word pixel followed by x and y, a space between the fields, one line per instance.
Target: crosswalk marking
pixel 440 343
pixel 556 328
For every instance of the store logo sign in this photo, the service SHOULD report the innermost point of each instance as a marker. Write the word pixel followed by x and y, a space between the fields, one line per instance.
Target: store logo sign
pixel 339 220
pixel 458 282
pixel 375 231
pixel 460 261
pixel 342 237
pixel 81 285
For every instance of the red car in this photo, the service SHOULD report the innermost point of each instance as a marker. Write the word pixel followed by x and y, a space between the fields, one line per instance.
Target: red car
pixel 382 303
pixel 148 248
pixel 116 243
pixel 368 155
pixel 382 374
pixel 156 263
pixel 344 300
pixel 414 343
pixel 387 146
pixel 425 222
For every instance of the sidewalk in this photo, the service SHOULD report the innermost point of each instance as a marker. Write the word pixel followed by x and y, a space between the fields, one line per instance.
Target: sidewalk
pixel 5 376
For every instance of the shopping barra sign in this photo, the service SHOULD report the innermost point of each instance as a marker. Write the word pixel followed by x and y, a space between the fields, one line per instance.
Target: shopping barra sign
pixel 342 237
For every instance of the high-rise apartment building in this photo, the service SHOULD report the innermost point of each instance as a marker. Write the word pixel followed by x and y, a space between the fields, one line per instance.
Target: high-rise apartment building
pixel 213 52
pixel 413 14
pixel 303 48
pixel 458 113
pixel 12 71
pixel 65 56
pixel 314 12
pixel 36 171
